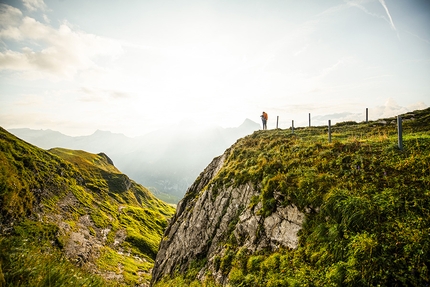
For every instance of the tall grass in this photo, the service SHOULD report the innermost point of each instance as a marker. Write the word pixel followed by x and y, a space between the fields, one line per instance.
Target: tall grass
pixel 30 258
pixel 367 205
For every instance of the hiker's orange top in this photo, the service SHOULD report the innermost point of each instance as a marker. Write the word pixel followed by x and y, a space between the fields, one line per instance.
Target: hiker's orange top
pixel 265 116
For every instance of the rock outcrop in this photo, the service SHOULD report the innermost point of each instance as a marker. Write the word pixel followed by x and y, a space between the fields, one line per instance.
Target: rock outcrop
pixel 210 216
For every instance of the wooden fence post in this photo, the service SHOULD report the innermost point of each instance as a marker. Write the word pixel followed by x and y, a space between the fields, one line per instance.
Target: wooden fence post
pixel 292 126
pixel 309 119
pixel 367 115
pixel 399 132
pixel 277 121
pixel 329 131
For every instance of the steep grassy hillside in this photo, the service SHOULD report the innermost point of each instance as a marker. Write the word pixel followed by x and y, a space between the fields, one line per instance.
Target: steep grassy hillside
pixel 70 218
pixel 367 207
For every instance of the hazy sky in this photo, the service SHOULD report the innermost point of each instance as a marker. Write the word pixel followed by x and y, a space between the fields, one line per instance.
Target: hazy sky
pixel 138 65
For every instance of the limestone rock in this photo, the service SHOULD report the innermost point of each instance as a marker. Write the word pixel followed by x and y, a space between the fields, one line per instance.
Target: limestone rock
pixel 208 216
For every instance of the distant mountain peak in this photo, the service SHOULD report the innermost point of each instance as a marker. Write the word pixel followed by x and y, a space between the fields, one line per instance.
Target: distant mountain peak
pixel 107 133
pixel 102 132
pixel 248 123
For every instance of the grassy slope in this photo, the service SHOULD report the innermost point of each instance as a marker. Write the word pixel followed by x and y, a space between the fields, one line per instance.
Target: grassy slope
pixel 367 205
pixel 32 184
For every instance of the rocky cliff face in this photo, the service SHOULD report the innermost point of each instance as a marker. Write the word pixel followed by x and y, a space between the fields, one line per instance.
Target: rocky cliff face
pixel 209 217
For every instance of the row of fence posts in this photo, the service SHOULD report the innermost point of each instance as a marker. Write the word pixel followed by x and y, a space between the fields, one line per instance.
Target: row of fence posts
pixel 399 128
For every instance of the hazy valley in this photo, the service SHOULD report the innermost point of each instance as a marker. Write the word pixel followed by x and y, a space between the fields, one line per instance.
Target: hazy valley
pixel 165 161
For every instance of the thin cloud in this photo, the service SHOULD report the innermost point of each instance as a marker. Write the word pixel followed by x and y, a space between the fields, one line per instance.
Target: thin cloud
pixel 420 38
pixel 332 10
pixel 302 50
pixel 48 51
pixel 119 95
pixel 346 61
pixel 390 21
pixel 388 14
pixel 358 5
pixel 98 95
pixel 391 109
pixel 9 17
pixel 46 19
pixel 30 100
pixel 34 5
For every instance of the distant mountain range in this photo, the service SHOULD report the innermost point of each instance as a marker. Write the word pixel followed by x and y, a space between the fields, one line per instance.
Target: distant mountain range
pixel 166 161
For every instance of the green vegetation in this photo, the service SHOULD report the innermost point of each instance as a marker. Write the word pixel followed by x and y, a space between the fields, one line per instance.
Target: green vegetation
pixel 28 258
pixel 41 190
pixel 367 205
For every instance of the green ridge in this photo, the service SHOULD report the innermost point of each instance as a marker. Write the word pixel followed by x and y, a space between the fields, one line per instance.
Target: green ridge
pixel 38 185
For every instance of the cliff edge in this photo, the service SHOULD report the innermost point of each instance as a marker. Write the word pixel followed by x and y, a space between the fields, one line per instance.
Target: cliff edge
pixel 292 209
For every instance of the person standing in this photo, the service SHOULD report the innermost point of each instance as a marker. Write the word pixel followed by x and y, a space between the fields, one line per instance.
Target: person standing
pixel 264 119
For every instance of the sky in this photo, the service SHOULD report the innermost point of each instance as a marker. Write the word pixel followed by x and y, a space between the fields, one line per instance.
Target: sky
pixel 131 67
